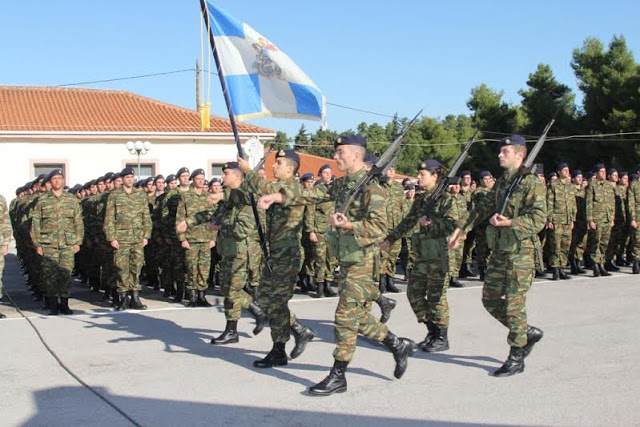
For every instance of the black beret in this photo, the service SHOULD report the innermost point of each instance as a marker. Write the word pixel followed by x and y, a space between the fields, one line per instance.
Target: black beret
pixel 99 179
pixel 323 167
pixel 589 175
pixel 454 180
pixel 561 166
pixel 170 178
pixel 429 165
pixel 575 173
pixel 40 177
pixel 513 140
pixel 633 176
pixel 116 176
pixel 181 171
pixel 158 177
pixel 108 176
pixel 231 165
pixel 136 184
pixel 288 154
pixel 306 177
pixel 351 139
pixel 623 173
pixel 410 186
pixel 91 183
pixel 463 173
pixel 127 171
pixel 196 173
pixel 551 175
pixel 611 171
pixel 482 174
pixel 146 181
pixel 370 158
pixel 539 169
pixel 214 180
pixel 598 166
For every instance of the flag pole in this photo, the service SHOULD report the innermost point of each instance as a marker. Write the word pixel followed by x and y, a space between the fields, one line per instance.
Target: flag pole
pixel 234 127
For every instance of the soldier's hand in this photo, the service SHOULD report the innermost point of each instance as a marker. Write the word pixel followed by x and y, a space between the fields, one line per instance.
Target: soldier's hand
pixel 76 249
pixel 181 227
pixel 212 244
pixel 454 239
pixel 424 221
pixel 244 165
pixel 339 220
pixel 313 237
pixel 498 220
pixel 634 224
pixel 550 225
pixel 592 225
pixel 267 200
pixel 185 244
pixel 214 227
pixel 572 226
pixel 5 250
pixel 145 242
pixel 39 251
pixel 214 198
pixel 613 224
pixel 384 246
pixel 114 244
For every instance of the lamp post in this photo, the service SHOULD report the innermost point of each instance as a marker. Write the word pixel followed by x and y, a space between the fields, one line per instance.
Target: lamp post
pixel 138 148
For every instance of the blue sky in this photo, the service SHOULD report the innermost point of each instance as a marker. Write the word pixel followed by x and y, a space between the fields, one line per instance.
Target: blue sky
pixel 385 57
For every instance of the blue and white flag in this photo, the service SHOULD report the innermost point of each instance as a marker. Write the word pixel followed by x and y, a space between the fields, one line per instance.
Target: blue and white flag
pixel 261 79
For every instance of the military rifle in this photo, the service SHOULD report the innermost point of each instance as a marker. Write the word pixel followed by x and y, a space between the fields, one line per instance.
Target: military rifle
pixel 380 168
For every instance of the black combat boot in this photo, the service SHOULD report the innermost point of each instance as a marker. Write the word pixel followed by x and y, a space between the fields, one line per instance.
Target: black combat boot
pixel 193 298
pixel 533 336
pixel 276 357
pixel 636 267
pixel 603 271
pixel 455 283
pixel 431 327
pixel 229 335
pixel 610 266
pixel 54 307
pixel 588 262
pixel 469 270
pixel 168 291
pixel 463 272
pixel 335 382
pixel 123 296
pixel 539 273
pixel 303 283
pixel 179 292
pixel 319 290
pixel 328 290
pixel 391 286
pixel 115 297
pixel 386 305
pixel 596 270
pixel 64 306
pixel 382 284
pixel 439 342
pixel 136 304
pixel 563 274
pixel 513 365
pixel 580 269
pixel 401 349
pixel 621 261
pixel 302 336
pixel 574 266
pixel 481 273
pixel 260 317
pixel 556 274
pixel 202 300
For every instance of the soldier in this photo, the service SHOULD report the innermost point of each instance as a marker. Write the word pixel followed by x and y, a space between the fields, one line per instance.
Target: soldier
pixel 579 233
pixel 284 237
pixel 467 192
pixel 215 187
pixel 561 211
pixel 633 200
pixel 152 258
pixel 394 195
pixel 101 245
pixel 427 288
pixel 163 246
pixel 197 241
pixel 455 257
pixel 5 238
pixel 306 274
pixel 619 230
pixel 56 232
pixel 511 239
pixel 482 250
pixel 127 226
pixel 359 229
pixel 600 218
pixel 624 232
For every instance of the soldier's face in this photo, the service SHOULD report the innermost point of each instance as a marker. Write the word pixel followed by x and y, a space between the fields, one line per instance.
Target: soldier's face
pixel 216 187
pixel 232 179
pixel 624 180
pixel 128 181
pixel 160 185
pixel 411 194
pixel 577 180
pixel 391 172
pixel 46 186
pixel 345 156
pixel 172 184
pixel 93 190
pixel 109 185
pixel 184 179
pixel 151 188
pixel 308 183
pixel 613 177
pixel 326 176
pixel 509 159
pixel 601 174
pixel 101 187
pixel 454 189
pixel 564 173
pixel 282 169
pixel 427 179
pixel 465 181
pixel 117 183
pixel 57 182
pixel 198 181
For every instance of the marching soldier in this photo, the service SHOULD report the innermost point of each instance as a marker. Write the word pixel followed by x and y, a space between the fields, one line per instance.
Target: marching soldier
pixel 482 250
pixel 619 230
pixel 394 196
pixel 469 244
pixel 600 218
pixel 634 218
pixel 561 210
pixel 455 256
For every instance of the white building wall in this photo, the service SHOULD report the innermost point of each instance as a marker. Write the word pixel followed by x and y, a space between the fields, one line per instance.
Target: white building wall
pixel 87 159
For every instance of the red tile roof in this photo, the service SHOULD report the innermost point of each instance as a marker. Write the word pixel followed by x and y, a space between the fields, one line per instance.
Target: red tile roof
pixel 54 109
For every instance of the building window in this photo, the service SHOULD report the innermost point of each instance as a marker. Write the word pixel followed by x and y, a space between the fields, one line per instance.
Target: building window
pixel 146 169
pixel 216 170
pixel 45 168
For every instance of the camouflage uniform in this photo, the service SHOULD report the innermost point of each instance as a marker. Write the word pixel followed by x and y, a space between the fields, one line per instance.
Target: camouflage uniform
pixel 56 227
pixel 5 234
pixel 561 210
pixel 178 253
pixel 324 263
pixel 619 232
pixel 601 210
pixel 633 200
pixel 161 251
pixel 480 232
pixel 127 220
pixel 511 266
pixel 459 205
pixel 394 198
pixel 579 234
pixel 470 241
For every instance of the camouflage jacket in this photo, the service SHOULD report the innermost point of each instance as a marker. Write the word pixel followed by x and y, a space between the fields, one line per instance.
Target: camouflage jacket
pixel 169 210
pixel 581 204
pixel 318 216
pixel 621 204
pixel 601 202
pixel 561 202
pixel 527 209
pixel 5 226
pixel 156 217
pixel 191 203
pixel 633 201
pixel 127 217
pixel 478 195
pixel 57 221
pixel 97 221
pixel 468 196
pixel 394 196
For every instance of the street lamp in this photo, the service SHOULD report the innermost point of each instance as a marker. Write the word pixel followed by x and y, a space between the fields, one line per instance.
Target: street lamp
pixel 138 148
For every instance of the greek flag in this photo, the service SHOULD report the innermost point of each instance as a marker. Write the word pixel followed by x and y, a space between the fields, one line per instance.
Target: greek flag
pixel 260 78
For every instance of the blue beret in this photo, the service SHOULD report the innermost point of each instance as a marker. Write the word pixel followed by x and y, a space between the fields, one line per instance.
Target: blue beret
pixel 182 170
pixel 588 176
pixel 513 140
pixel 633 176
pixel 136 184
pixel 158 177
pixel 127 171
pixel 410 187
pixel 230 165
pixel 170 178
pixel 54 172
pixel 561 166
pixel 351 139
pixel 99 179
pixel 116 176
pixel 146 181
pixel 196 173
pixel 623 173
pixel 611 171
pixel 370 158
pixel 323 167
pixel 482 174
pixel 91 183
pixel 214 180
pixel 575 173
pixel 551 175
pixel 598 166
pixel 108 176
pixel 288 154
pixel 429 165
pixel 464 173
pixel 454 180
pixel 306 177
pixel 539 169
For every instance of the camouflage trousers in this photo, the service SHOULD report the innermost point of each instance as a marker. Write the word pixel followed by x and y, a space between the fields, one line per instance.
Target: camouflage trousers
pixel 151 258
pixel 469 245
pixel 178 262
pixel 109 272
pixel 56 265
pixel 323 263
pixel 388 258
pixel 482 249
pixel 507 280
pixel 560 243
pixel 357 291
pixel 277 289
pixel 166 265
pixel 234 275
pixel 578 241
pixel 455 260
pixel 128 259
pixel 429 279
pixel 255 261
pixel 597 241
pixel 618 240
pixel 635 243
pixel 198 259
pixel 307 261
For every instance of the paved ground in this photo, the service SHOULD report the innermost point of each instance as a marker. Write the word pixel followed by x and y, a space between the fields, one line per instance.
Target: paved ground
pixel 158 368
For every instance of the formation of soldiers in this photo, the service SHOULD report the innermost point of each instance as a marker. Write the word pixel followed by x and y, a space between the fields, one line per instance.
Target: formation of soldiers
pixel 185 234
